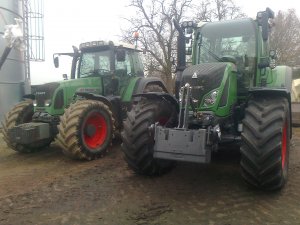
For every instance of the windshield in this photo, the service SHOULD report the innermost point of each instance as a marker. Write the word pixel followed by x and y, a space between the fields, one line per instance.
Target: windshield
pixel 95 64
pixel 232 41
pixel 99 64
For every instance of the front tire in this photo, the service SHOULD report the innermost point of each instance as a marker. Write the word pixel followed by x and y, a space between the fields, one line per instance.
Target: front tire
pixel 19 114
pixel 138 140
pixel 85 130
pixel 266 142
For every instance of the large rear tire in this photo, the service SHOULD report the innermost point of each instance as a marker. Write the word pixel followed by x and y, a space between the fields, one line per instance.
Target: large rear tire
pixel 138 140
pixel 19 114
pixel 266 142
pixel 85 129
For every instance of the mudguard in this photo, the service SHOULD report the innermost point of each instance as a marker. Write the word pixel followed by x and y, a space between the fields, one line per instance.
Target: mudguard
pixel 280 82
pixel 95 97
pixel 281 85
pixel 161 96
pixel 143 82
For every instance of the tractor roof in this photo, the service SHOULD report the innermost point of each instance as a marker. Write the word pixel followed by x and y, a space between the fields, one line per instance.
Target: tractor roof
pixel 227 27
pixel 101 43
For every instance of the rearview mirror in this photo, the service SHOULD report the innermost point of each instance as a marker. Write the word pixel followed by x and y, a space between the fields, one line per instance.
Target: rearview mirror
pixel 56 61
pixel 65 76
pixel 273 54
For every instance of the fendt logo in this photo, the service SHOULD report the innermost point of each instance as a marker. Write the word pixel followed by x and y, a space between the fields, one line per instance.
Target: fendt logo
pixel 40 93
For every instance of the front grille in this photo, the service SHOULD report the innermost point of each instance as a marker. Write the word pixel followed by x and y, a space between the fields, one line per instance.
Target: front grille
pixel 40 98
pixel 44 92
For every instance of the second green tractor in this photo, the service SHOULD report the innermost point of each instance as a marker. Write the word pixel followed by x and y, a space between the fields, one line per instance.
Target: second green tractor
pixel 85 112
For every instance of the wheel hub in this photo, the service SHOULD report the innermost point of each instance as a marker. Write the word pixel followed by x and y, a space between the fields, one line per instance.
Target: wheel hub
pixel 95 130
pixel 90 130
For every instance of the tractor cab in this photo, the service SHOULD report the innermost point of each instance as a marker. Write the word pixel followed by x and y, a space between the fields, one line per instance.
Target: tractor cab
pixel 111 64
pixel 229 41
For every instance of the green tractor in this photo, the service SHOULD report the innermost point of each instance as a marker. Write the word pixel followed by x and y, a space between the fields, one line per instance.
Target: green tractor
pixel 84 113
pixel 232 93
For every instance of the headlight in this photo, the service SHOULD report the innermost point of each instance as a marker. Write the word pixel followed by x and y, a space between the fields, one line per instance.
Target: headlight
pixel 180 95
pixel 48 102
pixel 41 104
pixel 210 99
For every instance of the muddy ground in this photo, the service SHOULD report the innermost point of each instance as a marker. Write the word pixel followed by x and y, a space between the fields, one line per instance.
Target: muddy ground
pixel 48 188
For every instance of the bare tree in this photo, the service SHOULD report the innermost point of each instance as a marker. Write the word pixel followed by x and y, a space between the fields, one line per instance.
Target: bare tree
pixel 211 10
pixel 154 22
pixel 285 38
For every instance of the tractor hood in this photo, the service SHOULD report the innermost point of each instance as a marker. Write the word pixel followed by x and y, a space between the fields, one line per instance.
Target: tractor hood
pixel 58 95
pixel 44 92
pixel 204 77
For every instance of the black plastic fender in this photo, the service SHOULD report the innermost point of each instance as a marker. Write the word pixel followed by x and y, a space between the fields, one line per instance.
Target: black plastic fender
pixel 143 82
pixel 94 97
pixel 159 96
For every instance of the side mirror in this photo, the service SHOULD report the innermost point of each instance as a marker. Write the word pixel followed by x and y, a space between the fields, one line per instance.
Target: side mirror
pixel 263 21
pixel 121 55
pixel 65 76
pixel 273 57
pixel 273 54
pixel 56 61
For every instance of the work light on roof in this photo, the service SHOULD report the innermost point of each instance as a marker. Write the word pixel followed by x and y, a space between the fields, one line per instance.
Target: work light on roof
pixel 187 24
pixel 92 44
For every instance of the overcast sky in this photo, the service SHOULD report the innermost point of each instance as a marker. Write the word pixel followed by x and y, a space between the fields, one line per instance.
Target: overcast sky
pixel 69 22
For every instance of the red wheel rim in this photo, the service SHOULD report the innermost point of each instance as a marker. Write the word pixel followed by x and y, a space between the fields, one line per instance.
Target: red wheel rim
pixel 97 123
pixel 283 145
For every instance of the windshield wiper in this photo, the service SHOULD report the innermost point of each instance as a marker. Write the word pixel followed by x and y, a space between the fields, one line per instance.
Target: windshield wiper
pixel 216 57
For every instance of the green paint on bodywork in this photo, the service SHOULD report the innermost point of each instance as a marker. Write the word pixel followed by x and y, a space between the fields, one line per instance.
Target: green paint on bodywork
pixel 69 87
pixel 231 74
pixel 277 77
pixel 90 85
pixel 128 89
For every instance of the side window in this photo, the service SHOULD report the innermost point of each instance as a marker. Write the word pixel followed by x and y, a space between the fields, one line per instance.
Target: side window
pixel 103 63
pixel 124 68
pixel 137 64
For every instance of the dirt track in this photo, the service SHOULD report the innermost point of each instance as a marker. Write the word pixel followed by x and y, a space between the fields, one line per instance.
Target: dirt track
pixel 48 188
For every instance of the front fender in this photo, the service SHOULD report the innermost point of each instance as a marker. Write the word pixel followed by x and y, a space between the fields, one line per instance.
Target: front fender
pixel 143 82
pixel 281 78
pixel 95 97
pixel 158 96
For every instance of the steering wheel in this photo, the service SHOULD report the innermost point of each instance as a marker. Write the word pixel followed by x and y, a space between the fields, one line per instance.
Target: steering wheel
pixel 229 52
pixel 102 71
